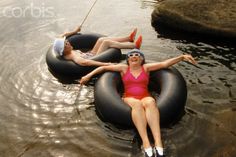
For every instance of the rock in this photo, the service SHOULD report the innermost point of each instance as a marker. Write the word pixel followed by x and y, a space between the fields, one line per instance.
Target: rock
pixel 214 17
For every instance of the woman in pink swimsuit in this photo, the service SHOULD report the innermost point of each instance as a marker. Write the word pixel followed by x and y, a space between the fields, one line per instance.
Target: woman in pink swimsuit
pixel 136 86
pixel 135 76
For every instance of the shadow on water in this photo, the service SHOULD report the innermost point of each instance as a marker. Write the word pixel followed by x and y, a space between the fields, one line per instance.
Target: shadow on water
pixel 177 34
pixel 200 44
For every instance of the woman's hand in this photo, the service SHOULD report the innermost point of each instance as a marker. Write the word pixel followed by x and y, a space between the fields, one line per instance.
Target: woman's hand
pixel 189 58
pixel 66 34
pixel 84 79
pixel 78 29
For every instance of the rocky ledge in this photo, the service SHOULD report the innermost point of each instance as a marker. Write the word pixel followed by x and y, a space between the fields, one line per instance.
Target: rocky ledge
pixel 211 17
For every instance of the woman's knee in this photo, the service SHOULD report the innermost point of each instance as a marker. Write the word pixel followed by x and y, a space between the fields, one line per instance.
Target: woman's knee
pixel 149 103
pixel 137 106
pixel 102 39
pixel 107 42
pixel 134 104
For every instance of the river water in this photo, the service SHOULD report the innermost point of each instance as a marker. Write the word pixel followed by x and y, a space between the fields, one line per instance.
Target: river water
pixel 40 116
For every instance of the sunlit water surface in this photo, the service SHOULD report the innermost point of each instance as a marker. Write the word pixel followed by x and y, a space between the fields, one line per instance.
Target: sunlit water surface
pixel 40 116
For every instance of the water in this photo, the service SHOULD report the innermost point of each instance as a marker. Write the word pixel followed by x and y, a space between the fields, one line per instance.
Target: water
pixel 43 117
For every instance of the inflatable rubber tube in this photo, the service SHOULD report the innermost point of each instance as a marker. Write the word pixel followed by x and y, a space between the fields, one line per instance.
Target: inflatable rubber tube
pixel 84 42
pixel 168 86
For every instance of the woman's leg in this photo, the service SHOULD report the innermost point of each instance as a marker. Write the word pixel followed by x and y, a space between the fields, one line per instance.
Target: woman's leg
pixel 120 45
pixel 114 44
pixel 139 119
pixel 153 119
pixel 129 38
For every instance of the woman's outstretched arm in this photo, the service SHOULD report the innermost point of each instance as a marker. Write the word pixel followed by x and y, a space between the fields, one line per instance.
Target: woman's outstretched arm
pixel 169 62
pixel 117 67
pixel 78 29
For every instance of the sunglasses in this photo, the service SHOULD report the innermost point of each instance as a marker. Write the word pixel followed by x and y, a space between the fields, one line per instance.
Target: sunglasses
pixel 134 55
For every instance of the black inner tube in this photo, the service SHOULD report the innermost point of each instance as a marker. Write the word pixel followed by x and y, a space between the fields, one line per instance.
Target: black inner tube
pixel 167 86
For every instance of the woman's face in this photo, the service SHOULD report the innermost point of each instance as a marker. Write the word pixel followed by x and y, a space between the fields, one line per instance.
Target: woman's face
pixel 135 58
pixel 67 47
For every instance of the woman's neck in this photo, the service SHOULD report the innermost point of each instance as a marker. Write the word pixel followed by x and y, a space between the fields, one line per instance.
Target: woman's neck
pixel 135 66
pixel 68 52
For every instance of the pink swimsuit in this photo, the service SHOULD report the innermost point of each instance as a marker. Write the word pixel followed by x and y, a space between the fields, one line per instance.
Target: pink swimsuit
pixel 136 87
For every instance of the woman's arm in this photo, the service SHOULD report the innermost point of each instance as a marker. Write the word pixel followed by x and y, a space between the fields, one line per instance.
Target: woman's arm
pixel 78 29
pixel 169 62
pixel 87 62
pixel 117 67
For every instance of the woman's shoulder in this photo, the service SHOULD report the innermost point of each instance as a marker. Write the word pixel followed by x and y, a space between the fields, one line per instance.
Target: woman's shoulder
pixel 151 66
pixel 122 67
pixel 70 57
pixel 145 66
